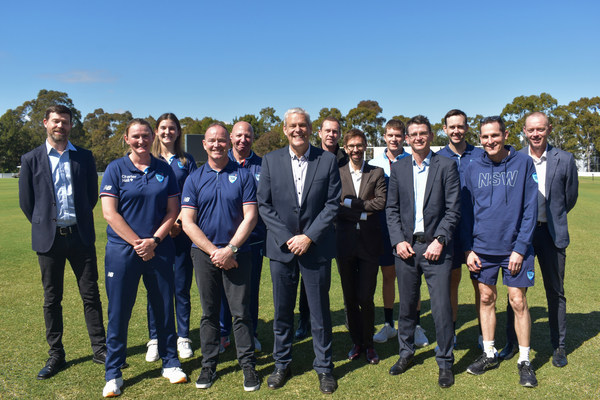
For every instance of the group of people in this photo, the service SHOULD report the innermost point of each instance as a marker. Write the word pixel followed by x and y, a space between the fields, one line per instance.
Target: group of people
pixel 417 215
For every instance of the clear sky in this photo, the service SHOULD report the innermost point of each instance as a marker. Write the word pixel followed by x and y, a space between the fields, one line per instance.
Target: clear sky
pixel 229 58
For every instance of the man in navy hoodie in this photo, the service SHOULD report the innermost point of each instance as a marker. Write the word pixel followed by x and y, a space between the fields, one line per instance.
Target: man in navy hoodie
pixel 502 188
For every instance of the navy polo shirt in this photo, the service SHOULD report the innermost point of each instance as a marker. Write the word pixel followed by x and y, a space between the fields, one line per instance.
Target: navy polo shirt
pixel 462 162
pixel 181 170
pixel 142 196
pixel 218 198
pixel 254 164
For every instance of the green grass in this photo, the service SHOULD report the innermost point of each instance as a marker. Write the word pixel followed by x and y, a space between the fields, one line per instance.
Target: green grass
pixel 23 347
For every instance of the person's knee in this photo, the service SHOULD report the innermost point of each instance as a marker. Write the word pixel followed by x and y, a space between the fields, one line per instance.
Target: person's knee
pixel 518 302
pixel 487 297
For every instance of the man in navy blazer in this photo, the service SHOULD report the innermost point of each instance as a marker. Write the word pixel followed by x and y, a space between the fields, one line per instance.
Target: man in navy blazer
pixel 298 199
pixel 423 209
pixel 58 189
pixel 558 186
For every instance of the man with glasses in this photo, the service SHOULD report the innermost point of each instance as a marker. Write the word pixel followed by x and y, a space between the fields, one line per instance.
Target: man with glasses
pixel 500 218
pixel 423 209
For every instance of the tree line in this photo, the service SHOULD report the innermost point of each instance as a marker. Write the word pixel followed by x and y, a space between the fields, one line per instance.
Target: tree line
pixel 576 127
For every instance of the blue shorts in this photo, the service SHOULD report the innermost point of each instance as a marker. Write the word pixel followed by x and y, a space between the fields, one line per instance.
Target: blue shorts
pixel 490 265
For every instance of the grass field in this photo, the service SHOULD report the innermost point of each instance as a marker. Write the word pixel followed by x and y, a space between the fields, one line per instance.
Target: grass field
pixel 23 349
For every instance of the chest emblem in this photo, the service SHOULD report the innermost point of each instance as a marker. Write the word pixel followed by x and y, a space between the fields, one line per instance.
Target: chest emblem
pixel 160 177
pixel 180 164
pixel 257 176
pixel 535 177
pixel 232 178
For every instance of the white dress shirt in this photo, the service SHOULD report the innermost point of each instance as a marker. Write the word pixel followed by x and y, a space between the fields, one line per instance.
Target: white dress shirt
pixel 299 165
pixel 540 171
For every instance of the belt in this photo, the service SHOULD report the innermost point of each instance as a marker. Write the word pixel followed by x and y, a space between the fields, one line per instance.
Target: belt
pixel 419 239
pixel 67 230
pixel 540 223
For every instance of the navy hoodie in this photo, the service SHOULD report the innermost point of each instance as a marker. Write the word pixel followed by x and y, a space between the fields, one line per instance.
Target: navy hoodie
pixel 502 212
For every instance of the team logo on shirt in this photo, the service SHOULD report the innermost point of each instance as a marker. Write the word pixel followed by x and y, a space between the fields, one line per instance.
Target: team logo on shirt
pixel 232 178
pixel 530 275
pixel 186 199
pixel 180 164
pixel 535 178
pixel 160 177
pixel 257 176
pixel 107 187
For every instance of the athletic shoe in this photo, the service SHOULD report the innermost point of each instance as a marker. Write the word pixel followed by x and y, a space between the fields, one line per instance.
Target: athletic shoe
pixel 152 352
pixel 225 342
pixel 527 375
pixel 207 377
pixel 420 338
pixel 184 347
pixel 174 375
pixel 112 388
pixel 559 357
pixel 482 364
pixel 257 345
pixel 251 379
pixel 385 333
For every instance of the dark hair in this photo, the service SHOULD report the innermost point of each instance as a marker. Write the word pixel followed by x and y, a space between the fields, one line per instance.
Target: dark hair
pixel 156 149
pixel 352 133
pixel 491 120
pixel 332 119
pixel 453 113
pixel 395 124
pixel 419 120
pixel 59 109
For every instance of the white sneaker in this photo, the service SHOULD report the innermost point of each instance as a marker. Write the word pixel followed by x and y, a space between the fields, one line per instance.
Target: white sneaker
pixel 152 353
pixel 184 347
pixel 257 345
pixel 112 388
pixel 420 338
pixel 385 333
pixel 174 375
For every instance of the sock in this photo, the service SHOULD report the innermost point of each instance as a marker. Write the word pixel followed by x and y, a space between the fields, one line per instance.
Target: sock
pixel 388 315
pixel 489 349
pixel 523 354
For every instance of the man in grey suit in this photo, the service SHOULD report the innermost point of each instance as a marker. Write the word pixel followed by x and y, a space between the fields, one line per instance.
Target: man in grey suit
pixel 423 209
pixel 298 199
pixel 558 189
pixel 58 189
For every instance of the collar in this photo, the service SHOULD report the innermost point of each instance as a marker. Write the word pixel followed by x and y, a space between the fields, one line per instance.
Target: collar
pixel 69 147
pixel 544 154
pixel 398 157
pixel 426 161
pixel 232 157
pixel 353 171
pixel 293 155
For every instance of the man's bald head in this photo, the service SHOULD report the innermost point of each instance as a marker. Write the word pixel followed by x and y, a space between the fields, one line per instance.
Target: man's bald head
pixel 242 137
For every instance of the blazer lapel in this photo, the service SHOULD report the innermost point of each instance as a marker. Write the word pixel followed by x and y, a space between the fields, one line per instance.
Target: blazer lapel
pixel 346 179
pixel 45 163
pixel 551 166
pixel 288 175
pixel 311 169
pixel 433 167
pixel 364 180
pixel 406 178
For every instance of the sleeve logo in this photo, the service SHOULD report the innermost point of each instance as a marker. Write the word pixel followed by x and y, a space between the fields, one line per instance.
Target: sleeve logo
pixel 160 177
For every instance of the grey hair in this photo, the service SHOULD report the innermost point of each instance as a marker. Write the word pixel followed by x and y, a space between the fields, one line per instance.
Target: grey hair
pixel 296 110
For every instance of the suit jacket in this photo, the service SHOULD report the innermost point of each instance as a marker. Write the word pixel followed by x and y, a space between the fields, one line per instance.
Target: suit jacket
pixel 38 201
pixel 371 198
pixel 562 188
pixel 284 218
pixel 441 206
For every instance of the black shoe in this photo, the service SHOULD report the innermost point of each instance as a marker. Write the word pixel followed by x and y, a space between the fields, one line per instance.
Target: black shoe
pixel 527 375
pixel 302 331
pixel 508 351
pixel 206 378
pixel 327 383
pixel 559 358
pixel 354 352
pixel 100 358
pixel 482 364
pixel 251 378
pixel 401 365
pixel 278 378
pixel 446 378
pixel 53 365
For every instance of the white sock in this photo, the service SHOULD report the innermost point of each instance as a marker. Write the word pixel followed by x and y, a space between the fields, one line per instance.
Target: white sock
pixel 523 354
pixel 489 349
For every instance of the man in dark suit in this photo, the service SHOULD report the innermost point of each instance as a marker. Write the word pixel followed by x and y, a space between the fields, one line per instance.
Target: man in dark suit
pixel 558 187
pixel 58 189
pixel 423 209
pixel 298 199
pixel 360 242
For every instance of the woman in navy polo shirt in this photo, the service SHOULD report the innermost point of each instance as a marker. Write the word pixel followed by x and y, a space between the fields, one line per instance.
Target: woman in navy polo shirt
pixel 167 147
pixel 140 202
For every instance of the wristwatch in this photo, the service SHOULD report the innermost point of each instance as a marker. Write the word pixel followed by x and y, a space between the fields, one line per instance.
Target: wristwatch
pixel 156 239
pixel 441 239
pixel 233 248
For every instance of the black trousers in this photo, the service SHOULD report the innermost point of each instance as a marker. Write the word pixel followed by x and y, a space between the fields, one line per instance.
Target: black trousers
pixel 83 263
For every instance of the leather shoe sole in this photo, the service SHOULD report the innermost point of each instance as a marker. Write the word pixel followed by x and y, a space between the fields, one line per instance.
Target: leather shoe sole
pixel 279 377
pixel 446 378
pixel 327 383
pixel 52 367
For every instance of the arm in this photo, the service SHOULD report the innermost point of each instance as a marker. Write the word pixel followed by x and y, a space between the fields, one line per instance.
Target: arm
pixel 530 211
pixel 188 221
pixel 394 220
pixel 224 256
pixel 145 247
pixel 26 195
pixel 92 181
pixel 116 220
pixel 571 184
pixel 377 203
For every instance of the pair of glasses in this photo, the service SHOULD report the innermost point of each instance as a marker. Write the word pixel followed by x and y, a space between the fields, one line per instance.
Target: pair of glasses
pixel 355 146
pixel 418 134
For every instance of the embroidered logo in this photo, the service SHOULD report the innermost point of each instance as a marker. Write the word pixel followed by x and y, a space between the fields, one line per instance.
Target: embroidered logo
pixel 535 178
pixel 160 177
pixel 180 164
pixel 107 187
pixel 127 178
pixel 186 199
pixel 110 274
pixel 232 178
pixel 530 275
pixel 257 176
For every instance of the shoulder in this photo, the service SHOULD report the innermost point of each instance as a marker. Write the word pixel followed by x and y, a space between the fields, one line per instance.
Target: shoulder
pixel 37 152
pixel 275 154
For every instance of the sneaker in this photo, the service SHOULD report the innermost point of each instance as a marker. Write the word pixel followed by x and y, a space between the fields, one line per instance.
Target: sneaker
pixel 527 375
pixel 174 375
pixel 152 352
pixel 420 338
pixel 385 333
pixel 257 345
pixel 251 379
pixel 207 377
pixel 225 342
pixel 113 387
pixel 482 364
pixel 184 347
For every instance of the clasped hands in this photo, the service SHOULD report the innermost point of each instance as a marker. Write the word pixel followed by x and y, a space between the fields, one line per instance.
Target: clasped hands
pixel 145 248
pixel 223 258
pixel 433 252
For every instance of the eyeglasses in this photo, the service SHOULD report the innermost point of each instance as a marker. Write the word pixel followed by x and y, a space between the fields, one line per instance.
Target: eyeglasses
pixel 418 135
pixel 355 146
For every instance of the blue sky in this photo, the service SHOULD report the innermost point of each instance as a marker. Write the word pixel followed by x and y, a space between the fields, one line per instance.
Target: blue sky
pixel 230 58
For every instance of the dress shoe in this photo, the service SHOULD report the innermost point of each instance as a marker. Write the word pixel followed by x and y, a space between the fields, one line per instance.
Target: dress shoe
pixel 372 357
pixel 100 357
pixel 401 365
pixel 278 378
pixel 559 358
pixel 446 378
pixel 302 331
pixel 508 351
pixel 327 383
pixel 53 365
pixel 354 352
